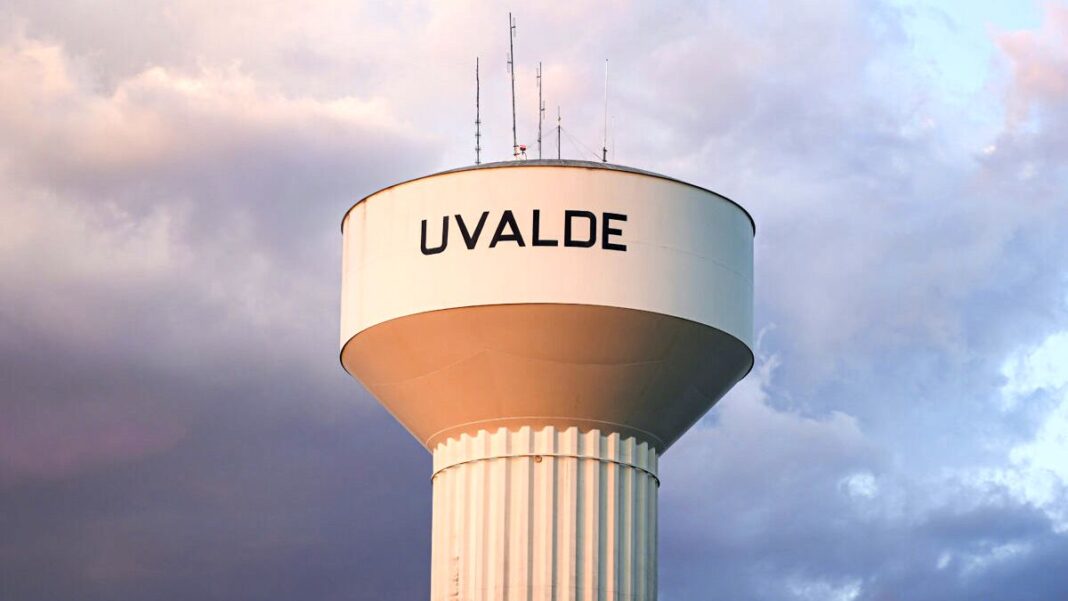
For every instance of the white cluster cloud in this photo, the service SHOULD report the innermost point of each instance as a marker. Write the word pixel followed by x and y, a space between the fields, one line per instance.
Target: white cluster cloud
pixel 132 213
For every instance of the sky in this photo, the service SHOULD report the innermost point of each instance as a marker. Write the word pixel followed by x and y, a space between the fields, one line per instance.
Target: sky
pixel 174 421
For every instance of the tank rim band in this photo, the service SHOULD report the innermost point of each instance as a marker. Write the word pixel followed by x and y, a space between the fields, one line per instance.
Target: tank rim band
pixel 554 163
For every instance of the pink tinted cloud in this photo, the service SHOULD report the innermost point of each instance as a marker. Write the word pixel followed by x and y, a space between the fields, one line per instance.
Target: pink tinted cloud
pixel 1040 64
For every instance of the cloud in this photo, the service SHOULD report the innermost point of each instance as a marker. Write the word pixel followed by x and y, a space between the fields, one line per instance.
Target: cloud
pixel 146 231
pixel 167 338
pixel 174 423
pixel 793 507
pixel 1040 58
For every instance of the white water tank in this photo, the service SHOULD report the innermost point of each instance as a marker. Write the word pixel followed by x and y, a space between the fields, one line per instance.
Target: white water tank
pixel 547 329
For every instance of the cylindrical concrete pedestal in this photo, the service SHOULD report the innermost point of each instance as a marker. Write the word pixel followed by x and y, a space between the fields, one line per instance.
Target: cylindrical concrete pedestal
pixel 544 514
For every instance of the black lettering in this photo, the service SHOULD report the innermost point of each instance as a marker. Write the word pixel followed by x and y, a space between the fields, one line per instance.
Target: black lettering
pixel 444 238
pixel 471 239
pixel 507 219
pixel 611 231
pixel 568 240
pixel 537 232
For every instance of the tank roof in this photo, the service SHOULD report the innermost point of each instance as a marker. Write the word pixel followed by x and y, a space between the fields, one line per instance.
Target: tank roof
pixel 554 163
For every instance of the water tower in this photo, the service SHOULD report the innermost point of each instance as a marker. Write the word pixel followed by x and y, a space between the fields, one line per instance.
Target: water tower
pixel 546 329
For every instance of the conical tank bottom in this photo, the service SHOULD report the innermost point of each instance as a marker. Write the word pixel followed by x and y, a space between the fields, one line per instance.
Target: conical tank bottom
pixel 638 373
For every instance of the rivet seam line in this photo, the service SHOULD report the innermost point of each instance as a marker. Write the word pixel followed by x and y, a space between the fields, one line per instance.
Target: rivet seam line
pixel 556 455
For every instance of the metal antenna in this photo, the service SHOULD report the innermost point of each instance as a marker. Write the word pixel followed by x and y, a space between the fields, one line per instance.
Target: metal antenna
pixel 478 119
pixel 604 147
pixel 541 109
pixel 558 132
pixel 511 70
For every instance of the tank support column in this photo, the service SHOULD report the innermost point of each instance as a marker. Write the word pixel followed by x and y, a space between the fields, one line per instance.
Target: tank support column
pixel 544 514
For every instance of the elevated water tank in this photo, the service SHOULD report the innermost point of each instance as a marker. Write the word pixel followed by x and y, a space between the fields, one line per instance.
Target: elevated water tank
pixel 546 329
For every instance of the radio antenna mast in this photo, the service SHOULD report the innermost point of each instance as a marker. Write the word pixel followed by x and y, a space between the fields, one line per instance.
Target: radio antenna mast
pixel 478 119
pixel 604 147
pixel 558 132
pixel 541 109
pixel 511 70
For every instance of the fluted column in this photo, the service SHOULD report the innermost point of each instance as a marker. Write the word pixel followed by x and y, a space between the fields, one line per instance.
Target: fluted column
pixel 544 515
